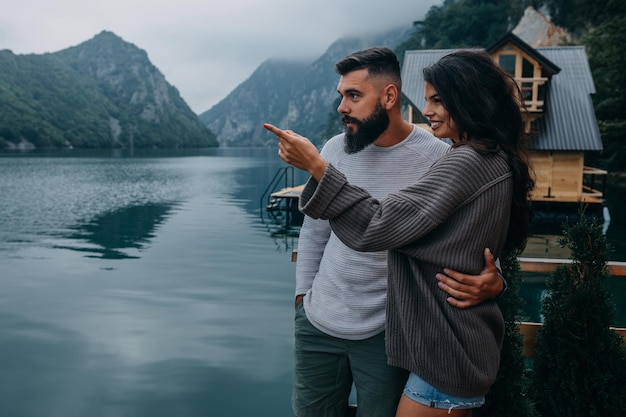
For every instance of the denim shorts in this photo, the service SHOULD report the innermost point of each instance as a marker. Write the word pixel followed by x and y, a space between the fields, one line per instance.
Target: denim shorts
pixel 422 392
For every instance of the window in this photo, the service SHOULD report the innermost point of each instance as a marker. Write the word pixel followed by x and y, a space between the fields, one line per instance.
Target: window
pixel 527 73
pixel 507 63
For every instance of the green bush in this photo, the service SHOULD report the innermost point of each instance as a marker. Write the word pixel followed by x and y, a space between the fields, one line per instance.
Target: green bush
pixel 580 363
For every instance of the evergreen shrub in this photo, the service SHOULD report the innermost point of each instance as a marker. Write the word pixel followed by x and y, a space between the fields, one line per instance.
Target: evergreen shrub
pixel 580 363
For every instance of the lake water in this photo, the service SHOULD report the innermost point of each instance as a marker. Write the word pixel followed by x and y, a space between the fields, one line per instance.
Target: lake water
pixel 145 285
pixel 142 286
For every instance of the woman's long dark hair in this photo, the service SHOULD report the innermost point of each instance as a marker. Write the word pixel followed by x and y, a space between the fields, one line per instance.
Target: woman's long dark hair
pixel 485 103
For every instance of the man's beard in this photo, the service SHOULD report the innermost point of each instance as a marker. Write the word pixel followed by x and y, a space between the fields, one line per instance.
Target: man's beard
pixel 367 131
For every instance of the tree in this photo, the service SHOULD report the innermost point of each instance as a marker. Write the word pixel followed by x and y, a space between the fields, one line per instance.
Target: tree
pixel 580 16
pixel 464 23
pixel 580 363
pixel 509 395
pixel 605 46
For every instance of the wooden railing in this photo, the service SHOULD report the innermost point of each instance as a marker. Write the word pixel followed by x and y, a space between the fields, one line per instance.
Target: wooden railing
pixel 545 265
pixel 541 265
pixel 529 333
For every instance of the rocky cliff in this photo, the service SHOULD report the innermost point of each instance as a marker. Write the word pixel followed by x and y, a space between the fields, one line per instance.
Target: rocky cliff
pixel 102 93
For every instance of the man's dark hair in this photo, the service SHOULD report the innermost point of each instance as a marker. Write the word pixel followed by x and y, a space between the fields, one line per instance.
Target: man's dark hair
pixel 379 61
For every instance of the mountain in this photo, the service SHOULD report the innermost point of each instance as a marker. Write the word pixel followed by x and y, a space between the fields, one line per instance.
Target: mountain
pixel 102 93
pixel 294 95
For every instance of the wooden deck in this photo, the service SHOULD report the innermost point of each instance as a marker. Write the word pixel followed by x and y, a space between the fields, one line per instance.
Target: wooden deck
pixel 284 199
pixel 289 192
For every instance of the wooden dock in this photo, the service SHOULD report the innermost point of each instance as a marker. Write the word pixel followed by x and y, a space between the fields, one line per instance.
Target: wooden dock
pixel 289 192
pixel 284 199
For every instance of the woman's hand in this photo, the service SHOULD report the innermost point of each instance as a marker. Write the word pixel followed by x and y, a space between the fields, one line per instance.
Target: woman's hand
pixel 298 151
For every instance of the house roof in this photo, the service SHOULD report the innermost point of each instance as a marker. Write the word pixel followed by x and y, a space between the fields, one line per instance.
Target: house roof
pixel 568 123
pixel 548 66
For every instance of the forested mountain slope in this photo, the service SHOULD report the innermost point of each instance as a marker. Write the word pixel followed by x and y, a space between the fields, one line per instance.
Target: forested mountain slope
pixel 102 93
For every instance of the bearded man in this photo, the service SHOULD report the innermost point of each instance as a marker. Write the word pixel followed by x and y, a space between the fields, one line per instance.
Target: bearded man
pixel 341 293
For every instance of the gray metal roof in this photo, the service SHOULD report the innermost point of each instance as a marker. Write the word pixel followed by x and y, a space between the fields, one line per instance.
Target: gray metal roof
pixel 412 77
pixel 568 123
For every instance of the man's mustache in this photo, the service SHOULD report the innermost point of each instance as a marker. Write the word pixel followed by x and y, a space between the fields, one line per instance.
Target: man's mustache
pixel 348 119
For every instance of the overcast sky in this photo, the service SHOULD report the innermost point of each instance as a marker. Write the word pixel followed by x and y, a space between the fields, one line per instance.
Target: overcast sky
pixel 204 48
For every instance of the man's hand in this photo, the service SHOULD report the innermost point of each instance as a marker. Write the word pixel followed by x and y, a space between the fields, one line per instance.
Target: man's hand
pixel 468 290
pixel 298 151
pixel 299 298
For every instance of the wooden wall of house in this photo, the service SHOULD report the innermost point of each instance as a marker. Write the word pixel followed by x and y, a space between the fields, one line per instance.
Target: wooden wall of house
pixel 558 175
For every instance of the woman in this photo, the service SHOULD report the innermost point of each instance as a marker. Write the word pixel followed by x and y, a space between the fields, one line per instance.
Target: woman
pixel 475 196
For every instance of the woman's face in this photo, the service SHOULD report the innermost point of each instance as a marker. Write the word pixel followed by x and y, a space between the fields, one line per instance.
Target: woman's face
pixel 440 121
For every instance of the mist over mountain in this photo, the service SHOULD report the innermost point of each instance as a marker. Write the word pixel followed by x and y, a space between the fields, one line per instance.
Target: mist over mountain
pixel 291 94
pixel 102 93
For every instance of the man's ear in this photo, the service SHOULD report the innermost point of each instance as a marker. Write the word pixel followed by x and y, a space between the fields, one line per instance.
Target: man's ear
pixel 390 96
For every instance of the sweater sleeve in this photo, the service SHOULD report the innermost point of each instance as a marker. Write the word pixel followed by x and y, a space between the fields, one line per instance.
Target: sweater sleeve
pixel 366 224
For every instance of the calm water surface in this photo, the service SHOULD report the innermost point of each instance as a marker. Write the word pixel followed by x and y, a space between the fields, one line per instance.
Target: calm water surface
pixel 142 286
pixel 147 285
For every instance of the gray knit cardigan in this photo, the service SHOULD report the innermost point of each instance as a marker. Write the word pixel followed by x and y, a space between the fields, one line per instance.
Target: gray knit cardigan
pixel 459 207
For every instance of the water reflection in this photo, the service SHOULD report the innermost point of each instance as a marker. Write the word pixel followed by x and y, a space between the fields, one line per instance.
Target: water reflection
pixel 73 378
pixel 283 224
pixel 125 228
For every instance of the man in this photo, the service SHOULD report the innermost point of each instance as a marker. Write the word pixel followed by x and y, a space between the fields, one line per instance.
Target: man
pixel 341 293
